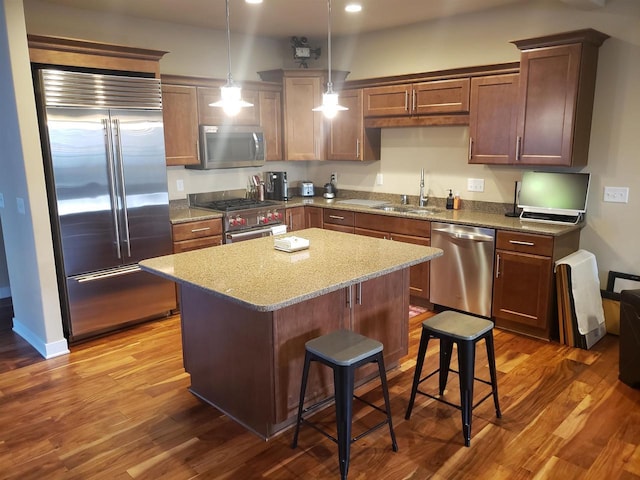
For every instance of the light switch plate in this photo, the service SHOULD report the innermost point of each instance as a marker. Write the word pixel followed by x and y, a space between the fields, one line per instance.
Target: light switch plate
pixel 616 194
pixel 20 205
pixel 379 179
pixel 475 184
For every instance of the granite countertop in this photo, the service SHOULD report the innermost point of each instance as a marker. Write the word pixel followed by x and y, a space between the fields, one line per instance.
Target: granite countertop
pixel 180 212
pixel 259 277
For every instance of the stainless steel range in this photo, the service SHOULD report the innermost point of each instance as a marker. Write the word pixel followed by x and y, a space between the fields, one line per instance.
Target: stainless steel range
pixel 244 218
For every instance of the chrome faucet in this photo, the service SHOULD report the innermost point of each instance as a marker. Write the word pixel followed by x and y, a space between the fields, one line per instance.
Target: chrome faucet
pixel 423 199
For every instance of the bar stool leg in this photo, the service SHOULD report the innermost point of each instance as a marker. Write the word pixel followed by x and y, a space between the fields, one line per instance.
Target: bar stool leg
pixel 491 356
pixel 303 389
pixel 422 350
pixel 343 378
pixel 446 351
pixel 466 364
pixel 387 403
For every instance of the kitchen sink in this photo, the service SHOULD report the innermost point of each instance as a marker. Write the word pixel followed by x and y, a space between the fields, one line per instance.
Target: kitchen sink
pixel 425 211
pixel 394 208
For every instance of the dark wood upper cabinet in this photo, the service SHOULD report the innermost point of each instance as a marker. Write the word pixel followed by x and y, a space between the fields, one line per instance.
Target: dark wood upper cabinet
pixel 555 98
pixel 492 119
pixel 208 115
pixel 180 118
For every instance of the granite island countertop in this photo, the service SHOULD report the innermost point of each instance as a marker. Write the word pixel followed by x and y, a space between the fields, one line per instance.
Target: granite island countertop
pixel 254 274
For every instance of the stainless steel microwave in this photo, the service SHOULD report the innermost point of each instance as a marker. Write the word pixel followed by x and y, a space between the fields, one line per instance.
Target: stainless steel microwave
pixel 229 146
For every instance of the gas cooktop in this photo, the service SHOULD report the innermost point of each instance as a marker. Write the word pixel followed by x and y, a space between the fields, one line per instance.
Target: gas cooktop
pixel 233 204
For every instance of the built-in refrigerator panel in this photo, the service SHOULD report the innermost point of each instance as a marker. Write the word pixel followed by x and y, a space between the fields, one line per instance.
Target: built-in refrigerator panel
pixel 103 145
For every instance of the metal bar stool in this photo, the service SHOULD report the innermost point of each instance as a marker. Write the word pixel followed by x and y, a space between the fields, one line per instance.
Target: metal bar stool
pixel 343 351
pixel 465 331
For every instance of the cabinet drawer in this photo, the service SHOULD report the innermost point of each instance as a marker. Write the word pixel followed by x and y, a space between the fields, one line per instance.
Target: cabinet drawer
pixel 525 243
pixel 338 217
pixel 202 228
pixel 406 226
pixel 444 96
pixel 196 243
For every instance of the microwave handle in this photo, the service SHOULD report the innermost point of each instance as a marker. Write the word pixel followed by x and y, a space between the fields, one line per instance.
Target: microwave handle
pixel 255 145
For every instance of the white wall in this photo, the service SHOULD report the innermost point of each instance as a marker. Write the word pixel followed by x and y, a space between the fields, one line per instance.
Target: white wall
pixel 27 233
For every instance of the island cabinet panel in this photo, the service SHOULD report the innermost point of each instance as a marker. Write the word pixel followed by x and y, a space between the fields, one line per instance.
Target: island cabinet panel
pixel 228 352
pixel 293 327
pixel 313 217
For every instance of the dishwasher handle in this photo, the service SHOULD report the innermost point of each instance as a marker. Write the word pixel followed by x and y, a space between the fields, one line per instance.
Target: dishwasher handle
pixel 476 237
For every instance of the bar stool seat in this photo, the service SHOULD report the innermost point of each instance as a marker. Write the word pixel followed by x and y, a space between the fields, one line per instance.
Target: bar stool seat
pixel 343 351
pixel 465 331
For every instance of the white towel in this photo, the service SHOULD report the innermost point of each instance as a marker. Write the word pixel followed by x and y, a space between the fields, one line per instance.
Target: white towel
pixel 585 288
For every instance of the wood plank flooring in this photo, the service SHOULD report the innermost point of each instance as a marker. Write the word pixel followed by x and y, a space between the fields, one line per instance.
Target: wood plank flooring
pixel 118 408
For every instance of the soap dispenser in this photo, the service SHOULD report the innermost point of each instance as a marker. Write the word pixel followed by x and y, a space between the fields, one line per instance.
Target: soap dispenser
pixel 450 200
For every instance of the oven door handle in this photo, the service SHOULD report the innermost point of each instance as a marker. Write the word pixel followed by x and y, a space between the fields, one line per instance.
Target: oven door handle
pixel 234 236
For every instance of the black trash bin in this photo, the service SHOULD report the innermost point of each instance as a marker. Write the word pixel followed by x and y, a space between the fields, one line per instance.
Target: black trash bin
pixel 630 338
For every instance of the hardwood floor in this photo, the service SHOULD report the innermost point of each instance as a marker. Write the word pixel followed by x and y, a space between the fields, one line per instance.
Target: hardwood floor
pixel 118 408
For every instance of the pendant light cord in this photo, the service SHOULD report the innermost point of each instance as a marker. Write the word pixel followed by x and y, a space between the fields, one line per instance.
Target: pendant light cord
pixel 229 78
pixel 329 83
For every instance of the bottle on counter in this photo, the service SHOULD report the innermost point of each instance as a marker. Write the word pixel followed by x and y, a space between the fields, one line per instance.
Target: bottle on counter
pixel 456 201
pixel 450 200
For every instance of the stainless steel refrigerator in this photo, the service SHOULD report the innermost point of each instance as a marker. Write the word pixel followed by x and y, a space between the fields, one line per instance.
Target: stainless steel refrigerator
pixel 105 169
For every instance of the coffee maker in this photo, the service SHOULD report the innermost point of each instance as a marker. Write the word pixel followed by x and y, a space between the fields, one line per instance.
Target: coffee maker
pixel 276 186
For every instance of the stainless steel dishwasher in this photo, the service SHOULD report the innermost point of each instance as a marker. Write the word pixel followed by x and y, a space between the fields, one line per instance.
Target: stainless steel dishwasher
pixel 462 278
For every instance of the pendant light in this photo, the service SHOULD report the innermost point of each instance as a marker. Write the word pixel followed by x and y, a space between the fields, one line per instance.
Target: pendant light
pixel 330 106
pixel 231 96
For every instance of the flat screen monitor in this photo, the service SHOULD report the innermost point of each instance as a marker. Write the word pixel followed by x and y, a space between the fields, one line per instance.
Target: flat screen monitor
pixel 554 192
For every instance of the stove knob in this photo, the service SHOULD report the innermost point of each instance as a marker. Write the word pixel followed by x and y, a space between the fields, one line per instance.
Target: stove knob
pixel 269 216
pixel 243 221
pixel 232 222
pixel 279 215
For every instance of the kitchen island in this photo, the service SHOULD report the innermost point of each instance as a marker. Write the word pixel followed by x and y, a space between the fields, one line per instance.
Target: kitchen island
pixel 248 309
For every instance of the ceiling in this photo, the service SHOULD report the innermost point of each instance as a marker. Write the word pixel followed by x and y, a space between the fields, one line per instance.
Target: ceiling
pixel 285 18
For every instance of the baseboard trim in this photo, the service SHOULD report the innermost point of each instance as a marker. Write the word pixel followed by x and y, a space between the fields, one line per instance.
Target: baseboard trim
pixel 47 350
pixel 6 313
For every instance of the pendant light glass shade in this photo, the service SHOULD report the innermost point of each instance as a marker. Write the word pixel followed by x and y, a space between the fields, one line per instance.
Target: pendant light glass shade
pixel 230 93
pixel 330 106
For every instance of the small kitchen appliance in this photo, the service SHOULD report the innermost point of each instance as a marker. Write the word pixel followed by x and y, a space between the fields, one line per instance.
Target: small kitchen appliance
pixel 276 186
pixel 306 189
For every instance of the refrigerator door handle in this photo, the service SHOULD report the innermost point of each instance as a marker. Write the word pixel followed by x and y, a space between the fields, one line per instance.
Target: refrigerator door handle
pixel 90 277
pixel 112 183
pixel 125 215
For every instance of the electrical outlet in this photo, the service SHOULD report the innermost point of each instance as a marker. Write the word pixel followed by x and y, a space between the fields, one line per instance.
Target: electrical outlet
pixel 616 194
pixel 379 179
pixel 334 177
pixel 20 205
pixel 475 184
pixel 180 185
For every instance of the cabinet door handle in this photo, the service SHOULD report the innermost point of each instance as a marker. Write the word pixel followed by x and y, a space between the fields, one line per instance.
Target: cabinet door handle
pixel 414 105
pixel 518 148
pixel 406 101
pixel 336 217
pixel 470 147
pixel 359 294
pixel 520 242
pixel 349 293
pixel 498 265
pixel 203 229
pixel 357 149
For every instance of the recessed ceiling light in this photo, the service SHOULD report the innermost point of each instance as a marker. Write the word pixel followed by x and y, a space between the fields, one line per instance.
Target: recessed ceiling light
pixel 253 1
pixel 353 7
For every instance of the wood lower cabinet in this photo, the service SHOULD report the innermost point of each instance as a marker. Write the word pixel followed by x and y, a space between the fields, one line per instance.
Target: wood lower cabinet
pixel 523 286
pixel 492 119
pixel 199 234
pixel 180 118
pixel 557 86
pixel 401 230
pixel 295 218
pixel 347 138
pixel 313 217
pixel 338 220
